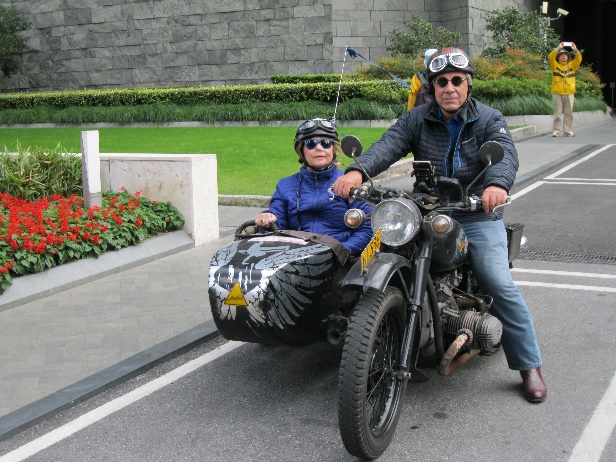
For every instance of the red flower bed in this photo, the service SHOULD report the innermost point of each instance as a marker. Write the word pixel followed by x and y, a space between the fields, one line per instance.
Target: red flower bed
pixel 38 235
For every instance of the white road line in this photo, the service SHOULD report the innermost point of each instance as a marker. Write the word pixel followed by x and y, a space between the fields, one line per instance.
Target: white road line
pixel 584 179
pixel 559 286
pixel 554 176
pixel 596 435
pixel 109 408
pixel 527 189
pixel 558 181
pixel 565 273
pixel 574 164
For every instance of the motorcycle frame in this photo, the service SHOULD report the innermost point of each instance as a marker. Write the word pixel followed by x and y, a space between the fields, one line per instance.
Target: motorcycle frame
pixel 412 278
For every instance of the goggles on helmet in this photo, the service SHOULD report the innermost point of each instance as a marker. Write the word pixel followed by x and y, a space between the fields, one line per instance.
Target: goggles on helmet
pixel 313 124
pixel 439 63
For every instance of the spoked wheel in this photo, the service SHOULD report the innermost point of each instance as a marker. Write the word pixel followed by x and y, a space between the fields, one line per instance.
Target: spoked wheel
pixel 369 394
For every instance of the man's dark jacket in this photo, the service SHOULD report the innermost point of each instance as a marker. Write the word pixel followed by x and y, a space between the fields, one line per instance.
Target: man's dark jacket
pixel 420 131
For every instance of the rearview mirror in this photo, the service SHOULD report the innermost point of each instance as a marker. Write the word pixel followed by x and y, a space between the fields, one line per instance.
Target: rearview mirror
pixel 351 146
pixel 491 152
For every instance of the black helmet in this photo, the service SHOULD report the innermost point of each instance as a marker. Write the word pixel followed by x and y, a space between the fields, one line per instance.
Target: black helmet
pixel 315 127
pixel 450 59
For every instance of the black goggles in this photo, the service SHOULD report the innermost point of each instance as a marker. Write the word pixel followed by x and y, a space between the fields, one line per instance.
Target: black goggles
pixel 312 144
pixel 457 60
pixel 312 124
pixel 456 81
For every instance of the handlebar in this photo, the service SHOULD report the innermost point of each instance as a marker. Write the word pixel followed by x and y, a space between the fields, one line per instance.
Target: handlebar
pixel 249 228
pixel 470 204
pixel 475 203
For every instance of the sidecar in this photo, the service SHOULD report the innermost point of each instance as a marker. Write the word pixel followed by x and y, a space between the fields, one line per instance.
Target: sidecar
pixel 280 288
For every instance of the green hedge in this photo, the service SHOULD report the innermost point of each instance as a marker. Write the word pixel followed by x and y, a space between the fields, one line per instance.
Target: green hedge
pixel 258 102
pixel 507 88
pixel 304 78
pixel 385 91
pixel 192 95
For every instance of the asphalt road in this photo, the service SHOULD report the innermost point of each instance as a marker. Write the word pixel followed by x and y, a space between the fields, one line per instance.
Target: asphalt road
pixel 248 402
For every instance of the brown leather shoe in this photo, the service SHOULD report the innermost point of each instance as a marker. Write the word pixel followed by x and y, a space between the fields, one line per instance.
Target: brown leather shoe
pixel 535 390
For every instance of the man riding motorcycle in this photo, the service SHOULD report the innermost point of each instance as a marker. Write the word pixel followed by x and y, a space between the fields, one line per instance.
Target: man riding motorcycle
pixel 448 132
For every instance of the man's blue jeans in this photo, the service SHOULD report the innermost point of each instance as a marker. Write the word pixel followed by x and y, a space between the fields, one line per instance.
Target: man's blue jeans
pixel 490 263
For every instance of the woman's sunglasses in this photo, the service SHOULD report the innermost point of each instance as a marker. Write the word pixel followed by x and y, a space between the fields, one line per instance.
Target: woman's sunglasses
pixel 312 144
pixel 456 81
pixel 455 59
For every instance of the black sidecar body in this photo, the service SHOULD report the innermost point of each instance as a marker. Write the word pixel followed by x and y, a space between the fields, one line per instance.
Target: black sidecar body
pixel 281 288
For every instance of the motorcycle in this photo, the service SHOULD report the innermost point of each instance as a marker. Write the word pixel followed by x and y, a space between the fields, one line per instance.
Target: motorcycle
pixel 409 301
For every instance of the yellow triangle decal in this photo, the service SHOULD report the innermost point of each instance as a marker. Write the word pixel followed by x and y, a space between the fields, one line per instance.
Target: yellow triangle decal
pixel 236 296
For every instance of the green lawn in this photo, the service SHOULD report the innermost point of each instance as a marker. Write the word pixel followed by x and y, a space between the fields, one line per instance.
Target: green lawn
pixel 250 159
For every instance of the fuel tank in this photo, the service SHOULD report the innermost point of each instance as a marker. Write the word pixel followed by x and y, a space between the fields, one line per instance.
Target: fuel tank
pixel 274 290
pixel 450 248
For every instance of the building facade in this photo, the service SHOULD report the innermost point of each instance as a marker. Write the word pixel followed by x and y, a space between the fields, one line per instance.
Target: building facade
pixel 99 44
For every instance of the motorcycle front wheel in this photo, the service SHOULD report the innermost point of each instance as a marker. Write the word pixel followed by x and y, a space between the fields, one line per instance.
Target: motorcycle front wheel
pixel 369 394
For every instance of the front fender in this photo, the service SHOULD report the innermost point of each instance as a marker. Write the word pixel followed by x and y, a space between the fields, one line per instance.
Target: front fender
pixel 380 271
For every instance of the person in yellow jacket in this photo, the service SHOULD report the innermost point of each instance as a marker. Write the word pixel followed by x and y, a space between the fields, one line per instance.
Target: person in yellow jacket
pixel 420 88
pixel 563 85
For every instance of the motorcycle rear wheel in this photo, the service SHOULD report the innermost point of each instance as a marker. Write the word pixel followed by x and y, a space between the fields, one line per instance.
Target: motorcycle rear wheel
pixel 369 394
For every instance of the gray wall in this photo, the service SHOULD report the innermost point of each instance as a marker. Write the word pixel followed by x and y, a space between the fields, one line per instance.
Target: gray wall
pixel 95 44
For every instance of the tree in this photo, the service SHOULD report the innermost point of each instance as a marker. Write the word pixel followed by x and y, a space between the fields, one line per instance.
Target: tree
pixel 419 38
pixel 519 30
pixel 12 45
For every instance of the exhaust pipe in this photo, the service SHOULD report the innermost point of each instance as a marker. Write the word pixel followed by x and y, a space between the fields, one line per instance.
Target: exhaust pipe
pixel 336 329
pixel 335 336
pixel 450 363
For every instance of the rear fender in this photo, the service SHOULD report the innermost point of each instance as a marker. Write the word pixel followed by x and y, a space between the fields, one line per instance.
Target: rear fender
pixel 386 269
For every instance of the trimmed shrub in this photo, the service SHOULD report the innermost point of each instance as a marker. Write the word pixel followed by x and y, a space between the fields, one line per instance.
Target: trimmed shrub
pixel 511 63
pixel 304 78
pixel 325 92
pixel 401 66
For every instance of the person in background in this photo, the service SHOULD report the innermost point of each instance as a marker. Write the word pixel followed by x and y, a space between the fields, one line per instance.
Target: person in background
pixel 305 201
pixel 448 132
pixel 420 87
pixel 563 85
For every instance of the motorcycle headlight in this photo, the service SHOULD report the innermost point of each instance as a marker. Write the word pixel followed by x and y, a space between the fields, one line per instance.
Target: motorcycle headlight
pixel 399 220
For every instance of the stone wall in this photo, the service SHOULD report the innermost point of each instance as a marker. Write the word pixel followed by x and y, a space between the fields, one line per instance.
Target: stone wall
pixel 135 43
pixel 366 25
pixel 97 44
pixel 474 36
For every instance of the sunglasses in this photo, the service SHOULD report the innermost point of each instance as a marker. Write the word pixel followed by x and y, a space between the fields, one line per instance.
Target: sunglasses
pixel 455 59
pixel 312 144
pixel 313 124
pixel 456 81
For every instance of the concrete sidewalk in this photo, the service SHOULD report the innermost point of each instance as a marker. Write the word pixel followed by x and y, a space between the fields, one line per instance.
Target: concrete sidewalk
pixel 74 331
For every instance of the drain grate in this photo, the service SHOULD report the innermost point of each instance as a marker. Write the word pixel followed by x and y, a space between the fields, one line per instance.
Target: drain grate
pixel 567 257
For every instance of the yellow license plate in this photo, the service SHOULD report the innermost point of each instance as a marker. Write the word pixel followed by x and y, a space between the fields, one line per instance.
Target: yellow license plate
pixel 371 250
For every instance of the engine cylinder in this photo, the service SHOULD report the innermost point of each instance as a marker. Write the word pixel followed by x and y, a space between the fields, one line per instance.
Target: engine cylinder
pixel 486 329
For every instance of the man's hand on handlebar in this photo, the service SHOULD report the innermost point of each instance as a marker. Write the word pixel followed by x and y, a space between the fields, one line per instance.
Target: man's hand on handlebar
pixel 343 184
pixel 493 196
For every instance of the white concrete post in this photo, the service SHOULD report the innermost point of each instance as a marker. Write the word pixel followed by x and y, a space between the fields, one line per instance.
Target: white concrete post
pixel 91 169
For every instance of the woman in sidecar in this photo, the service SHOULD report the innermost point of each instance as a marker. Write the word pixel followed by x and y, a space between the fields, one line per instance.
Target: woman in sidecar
pixel 284 286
